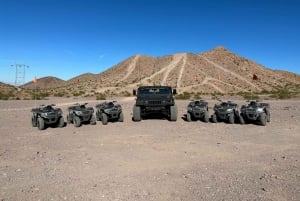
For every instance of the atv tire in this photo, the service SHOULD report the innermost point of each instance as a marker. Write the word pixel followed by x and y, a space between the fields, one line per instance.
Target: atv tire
pixel 61 122
pixel 188 117
pixel 206 117
pixel 121 117
pixel 231 118
pixel 104 119
pixel 77 121
pixel 214 118
pixel 40 123
pixel 93 120
pixel 263 119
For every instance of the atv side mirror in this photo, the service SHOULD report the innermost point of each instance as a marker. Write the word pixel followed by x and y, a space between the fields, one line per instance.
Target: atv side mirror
pixel 134 92
pixel 174 92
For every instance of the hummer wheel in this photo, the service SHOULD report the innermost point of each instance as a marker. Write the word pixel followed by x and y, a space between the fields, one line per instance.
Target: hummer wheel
pixel 173 113
pixel 136 113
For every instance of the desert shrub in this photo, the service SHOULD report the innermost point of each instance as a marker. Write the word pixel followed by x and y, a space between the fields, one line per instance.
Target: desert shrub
pixel 39 95
pixel 217 95
pixel 183 96
pixel 282 94
pixel 248 95
pixel 197 95
pixel 100 96
pixel 126 93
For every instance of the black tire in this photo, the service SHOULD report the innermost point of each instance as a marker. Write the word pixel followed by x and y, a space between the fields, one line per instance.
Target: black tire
pixel 173 113
pixel 98 116
pixel 76 121
pixel 121 117
pixel 231 118
pixel 242 120
pixel 188 117
pixel 104 119
pixel 136 113
pixel 40 123
pixel 61 122
pixel 268 117
pixel 263 119
pixel 93 120
pixel 206 117
pixel 33 122
pixel 214 118
pixel 68 120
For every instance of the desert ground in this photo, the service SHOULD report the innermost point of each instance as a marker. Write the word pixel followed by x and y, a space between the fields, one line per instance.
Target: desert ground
pixel 154 159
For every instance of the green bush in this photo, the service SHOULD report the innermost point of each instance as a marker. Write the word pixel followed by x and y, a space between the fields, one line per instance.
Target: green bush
pixel 100 96
pixel 183 96
pixel 282 94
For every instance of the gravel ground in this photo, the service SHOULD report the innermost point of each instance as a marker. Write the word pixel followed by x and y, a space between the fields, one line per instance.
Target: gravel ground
pixel 149 160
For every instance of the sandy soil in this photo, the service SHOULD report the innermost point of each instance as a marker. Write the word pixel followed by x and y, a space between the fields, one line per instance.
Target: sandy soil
pixel 149 160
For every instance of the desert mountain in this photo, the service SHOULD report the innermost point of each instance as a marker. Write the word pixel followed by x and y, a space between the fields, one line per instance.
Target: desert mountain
pixel 217 70
pixel 46 82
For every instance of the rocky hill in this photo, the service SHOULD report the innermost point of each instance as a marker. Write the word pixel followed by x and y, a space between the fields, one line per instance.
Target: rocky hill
pixel 215 71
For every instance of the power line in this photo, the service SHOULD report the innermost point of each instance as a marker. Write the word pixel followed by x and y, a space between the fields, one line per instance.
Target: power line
pixel 20 74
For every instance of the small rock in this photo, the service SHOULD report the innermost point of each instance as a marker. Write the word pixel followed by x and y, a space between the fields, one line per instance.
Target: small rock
pixel 263 189
pixel 18 170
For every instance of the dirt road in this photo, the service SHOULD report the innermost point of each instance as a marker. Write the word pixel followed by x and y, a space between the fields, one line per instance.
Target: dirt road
pixel 149 160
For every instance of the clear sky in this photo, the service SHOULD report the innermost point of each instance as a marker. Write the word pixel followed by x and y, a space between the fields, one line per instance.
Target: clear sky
pixel 65 38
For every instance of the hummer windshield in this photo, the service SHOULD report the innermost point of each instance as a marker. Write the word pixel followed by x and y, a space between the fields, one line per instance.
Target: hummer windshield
pixel 151 91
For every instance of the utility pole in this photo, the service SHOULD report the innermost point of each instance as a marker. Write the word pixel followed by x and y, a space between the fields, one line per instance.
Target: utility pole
pixel 20 74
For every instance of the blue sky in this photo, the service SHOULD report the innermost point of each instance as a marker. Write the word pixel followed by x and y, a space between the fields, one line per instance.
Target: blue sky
pixel 65 38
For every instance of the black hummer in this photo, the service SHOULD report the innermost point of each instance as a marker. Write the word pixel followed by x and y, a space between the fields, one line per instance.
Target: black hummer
pixel 197 110
pixel 47 115
pixel 154 100
pixel 79 113
pixel 109 111
pixel 255 112
pixel 226 111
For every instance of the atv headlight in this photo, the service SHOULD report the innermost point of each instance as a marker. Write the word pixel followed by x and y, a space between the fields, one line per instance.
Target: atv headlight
pixel 78 113
pixel 229 110
pixel 106 110
pixel 190 109
pixel 44 114
pixel 260 109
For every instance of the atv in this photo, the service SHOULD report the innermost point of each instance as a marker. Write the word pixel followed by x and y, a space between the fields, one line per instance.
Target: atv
pixel 109 111
pixel 79 114
pixel 47 116
pixel 154 100
pixel 197 110
pixel 255 112
pixel 226 111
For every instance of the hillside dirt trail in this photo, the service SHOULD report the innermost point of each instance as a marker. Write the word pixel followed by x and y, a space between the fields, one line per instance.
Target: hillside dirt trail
pixel 181 70
pixel 130 68
pixel 230 72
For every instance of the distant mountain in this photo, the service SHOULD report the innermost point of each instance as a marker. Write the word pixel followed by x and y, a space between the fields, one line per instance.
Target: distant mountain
pixel 45 82
pixel 217 70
